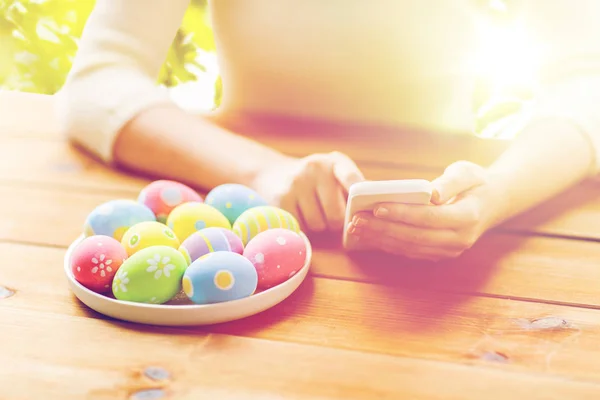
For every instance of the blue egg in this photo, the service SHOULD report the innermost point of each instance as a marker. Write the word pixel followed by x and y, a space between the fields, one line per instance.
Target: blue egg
pixel 115 217
pixel 232 200
pixel 218 277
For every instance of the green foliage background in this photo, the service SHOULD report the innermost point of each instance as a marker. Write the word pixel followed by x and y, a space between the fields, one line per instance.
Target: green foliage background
pixel 39 38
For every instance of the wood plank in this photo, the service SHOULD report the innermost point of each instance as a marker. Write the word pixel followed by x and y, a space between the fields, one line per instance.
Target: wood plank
pixel 545 269
pixel 100 362
pixel 27 115
pixel 403 322
pixel 429 153
pixel 57 164
pixel 32 115
pixel 573 214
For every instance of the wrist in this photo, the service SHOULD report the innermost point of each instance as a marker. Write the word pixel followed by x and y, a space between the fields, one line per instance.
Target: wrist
pixel 254 178
pixel 495 201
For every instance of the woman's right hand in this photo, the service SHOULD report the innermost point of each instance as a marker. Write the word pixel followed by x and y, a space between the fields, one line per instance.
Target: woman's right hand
pixel 314 188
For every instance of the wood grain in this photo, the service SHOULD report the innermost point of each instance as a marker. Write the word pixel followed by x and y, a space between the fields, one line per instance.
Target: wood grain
pixel 32 115
pixel 576 213
pixel 514 316
pixel 105 360
pixel 500 265
pixel 28 115
pixel 365 317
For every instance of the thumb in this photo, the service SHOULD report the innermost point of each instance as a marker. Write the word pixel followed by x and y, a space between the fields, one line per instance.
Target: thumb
pixel 346 171
pixel 456 179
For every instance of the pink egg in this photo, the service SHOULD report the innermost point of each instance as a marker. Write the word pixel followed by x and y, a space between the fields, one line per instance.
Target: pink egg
pixel 95 261
pixel 277 254
pixel 163 196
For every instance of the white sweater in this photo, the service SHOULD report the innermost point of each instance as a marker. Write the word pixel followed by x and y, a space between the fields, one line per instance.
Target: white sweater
pixel 410 62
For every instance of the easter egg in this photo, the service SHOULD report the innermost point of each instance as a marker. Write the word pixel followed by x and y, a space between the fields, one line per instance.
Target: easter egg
pixel 259 219
pixel 218 277
pixel 277 254
pixel 233 199
pixel 146 234
pixel 164 195
pixel 188 218
pixel 151 275
pixel 115 217
pixel 95 260
pixel 209 240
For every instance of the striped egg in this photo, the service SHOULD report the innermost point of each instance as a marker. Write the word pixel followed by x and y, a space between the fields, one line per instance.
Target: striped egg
pixel 259 219
pixel 191 217
pixel 163 196
pixel 233 199
pixel 209 240
pixel 115 217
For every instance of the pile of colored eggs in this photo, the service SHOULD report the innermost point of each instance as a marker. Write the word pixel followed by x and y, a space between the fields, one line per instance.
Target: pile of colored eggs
pixel 225 247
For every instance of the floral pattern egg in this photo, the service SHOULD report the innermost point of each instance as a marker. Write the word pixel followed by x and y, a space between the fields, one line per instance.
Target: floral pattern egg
pixel 115 217
pixel 277 255
pixel 188 218
pixel 259 219
pixel 218 277
pixel 164 195
pixel 151 275
pixel 95 261
pixel 233 199
pixel 209 240
pixel 147 234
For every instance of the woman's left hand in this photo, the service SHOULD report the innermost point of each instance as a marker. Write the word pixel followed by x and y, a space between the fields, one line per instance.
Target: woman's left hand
pixel 463 207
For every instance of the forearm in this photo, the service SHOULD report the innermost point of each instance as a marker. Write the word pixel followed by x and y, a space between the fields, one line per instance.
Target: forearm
pixel 547 158
pixel 169 143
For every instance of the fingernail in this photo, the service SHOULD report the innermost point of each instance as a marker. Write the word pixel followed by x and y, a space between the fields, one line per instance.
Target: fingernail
pixel 354 231
pixel 358 222
pixel 381 212
pixel 436 196
pixel 351 229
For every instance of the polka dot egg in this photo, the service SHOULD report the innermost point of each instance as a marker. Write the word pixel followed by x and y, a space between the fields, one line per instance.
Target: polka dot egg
pixel 115 217
pixel 218 277
pixel 163 196
pixel 147 234
pixel 277 255
pixel 259 219
pixel 95 261
pixel 209 240
pixel 233 199
pixel 151 275
pixel 188 218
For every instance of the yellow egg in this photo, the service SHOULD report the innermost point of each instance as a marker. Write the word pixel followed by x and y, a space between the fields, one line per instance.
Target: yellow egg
pixel 191 217
pixel 259 219
pixel 148 234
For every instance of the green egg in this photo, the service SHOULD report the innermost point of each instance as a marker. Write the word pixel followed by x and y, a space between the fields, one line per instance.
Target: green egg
pixel 152 275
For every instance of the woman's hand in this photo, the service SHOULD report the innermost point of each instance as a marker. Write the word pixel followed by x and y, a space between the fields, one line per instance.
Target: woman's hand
pixel 314 188
pixel 463 207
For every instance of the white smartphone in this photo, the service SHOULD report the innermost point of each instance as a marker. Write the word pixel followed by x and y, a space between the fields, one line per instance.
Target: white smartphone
pixel 365 196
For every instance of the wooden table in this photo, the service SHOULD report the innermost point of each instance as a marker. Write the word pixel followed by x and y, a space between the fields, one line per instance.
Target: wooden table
pixel 515 316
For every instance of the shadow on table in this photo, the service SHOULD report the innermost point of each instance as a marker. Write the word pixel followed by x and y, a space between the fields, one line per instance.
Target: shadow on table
pixel 417 295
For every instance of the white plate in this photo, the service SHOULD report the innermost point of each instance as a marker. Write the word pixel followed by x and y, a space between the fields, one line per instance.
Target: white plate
pixel 185 314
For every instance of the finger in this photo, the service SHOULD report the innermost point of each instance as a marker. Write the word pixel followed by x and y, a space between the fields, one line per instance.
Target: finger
pixel 346 171
pixel 409 250
pixel 333 203
pixel 309 207
pixel 457 178
pixel 446 238
pixel 457 215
